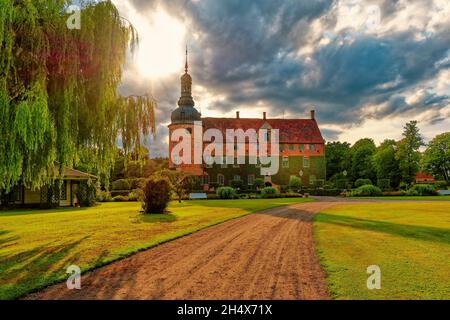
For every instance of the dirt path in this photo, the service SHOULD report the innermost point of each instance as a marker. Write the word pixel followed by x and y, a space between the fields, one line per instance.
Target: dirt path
pixel 269 255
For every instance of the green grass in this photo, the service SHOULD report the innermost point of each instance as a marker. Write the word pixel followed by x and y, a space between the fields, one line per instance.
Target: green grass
pixel 36 247
pixel 412 198
pixel 410 242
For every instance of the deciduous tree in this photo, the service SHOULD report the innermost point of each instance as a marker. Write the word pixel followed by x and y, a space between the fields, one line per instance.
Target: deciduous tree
pixel 436 159
pixel 408 153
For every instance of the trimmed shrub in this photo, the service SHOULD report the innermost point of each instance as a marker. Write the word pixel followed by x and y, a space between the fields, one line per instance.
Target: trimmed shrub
pixel 384 184
pixel 86 194
pixel 104 196
pixel 124 193
pixel 291 195
pixel 122 184
pixel 269 192
pixel 237 184
pixel 295 183
pixel 394 194
pixel 259 183
pixel 226 193
pixel 136 195
pixel 362 182
pixel 156 195
pixel 422 190
pixel 121 199
pixel 366 191
pixel 138 183
pixel 404 186
pixel 342 184
pixel 323 192
pixel 441 185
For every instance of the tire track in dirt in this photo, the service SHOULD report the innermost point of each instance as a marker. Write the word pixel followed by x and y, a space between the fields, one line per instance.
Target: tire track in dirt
pixel 268 255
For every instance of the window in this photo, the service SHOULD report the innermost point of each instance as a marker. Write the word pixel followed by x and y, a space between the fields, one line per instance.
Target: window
pixel 205 179
pixel 285 162
pixel 237 178
pixel 312 180
pixel 312 147
pixel 64 191
pixel 306 162
pixel 251 180
pixel 291 147
pixel 236 165
pixel 281 147
pixel 301 147
pixel 221 179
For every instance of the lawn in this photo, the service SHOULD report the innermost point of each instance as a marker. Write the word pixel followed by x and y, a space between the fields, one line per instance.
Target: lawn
pixel 410 242
pixel 37 246
pixel 409 198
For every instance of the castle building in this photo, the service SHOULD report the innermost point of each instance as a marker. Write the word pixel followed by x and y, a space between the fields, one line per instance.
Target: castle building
pixel 302 147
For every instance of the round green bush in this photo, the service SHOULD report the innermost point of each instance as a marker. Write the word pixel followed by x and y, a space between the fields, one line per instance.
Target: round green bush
pixel 362 182
pixel 295 183
pixel 104 196
pixel 121 199
pixel 122 184
pixel 367 191
pixel 226 193
pixel 422 190
pixel 269 192
pixel 156 195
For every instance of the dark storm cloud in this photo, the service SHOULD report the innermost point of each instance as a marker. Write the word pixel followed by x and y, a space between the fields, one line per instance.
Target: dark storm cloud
pixel 248 52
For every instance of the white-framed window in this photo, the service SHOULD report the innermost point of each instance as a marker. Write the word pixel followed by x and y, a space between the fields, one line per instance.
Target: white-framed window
pixel 312 147
pixel 221 179
pixel 306 163
pixel 237 178
pixel 251 179
pixel 285 162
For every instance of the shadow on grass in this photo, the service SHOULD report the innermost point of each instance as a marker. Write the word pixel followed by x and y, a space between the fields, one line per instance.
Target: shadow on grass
pixel 13 213
pixel 30 270
pixel 4 241
pixel 431 234
pixel 156 218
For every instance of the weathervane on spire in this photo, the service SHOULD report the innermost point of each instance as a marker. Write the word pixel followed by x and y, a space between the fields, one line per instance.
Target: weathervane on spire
pixel 186 66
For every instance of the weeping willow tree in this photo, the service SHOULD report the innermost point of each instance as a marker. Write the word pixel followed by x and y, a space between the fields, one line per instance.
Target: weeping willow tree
pixel 58 91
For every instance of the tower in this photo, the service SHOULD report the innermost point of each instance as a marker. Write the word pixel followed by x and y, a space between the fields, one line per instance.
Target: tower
pixel 183 118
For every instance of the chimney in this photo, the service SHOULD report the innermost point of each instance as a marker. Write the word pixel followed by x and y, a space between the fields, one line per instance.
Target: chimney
pixel 265 115
pixel 313 114
pixel 237 115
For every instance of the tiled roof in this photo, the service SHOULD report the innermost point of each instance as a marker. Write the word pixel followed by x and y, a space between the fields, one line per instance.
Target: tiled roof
pixel 76 174
pixel 291 130
pixel 420 176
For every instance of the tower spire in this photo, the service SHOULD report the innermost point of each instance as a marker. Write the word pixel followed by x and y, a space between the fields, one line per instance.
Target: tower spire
pixel 186 66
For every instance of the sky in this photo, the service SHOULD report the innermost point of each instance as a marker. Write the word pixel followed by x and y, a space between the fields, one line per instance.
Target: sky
pixel 366 66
